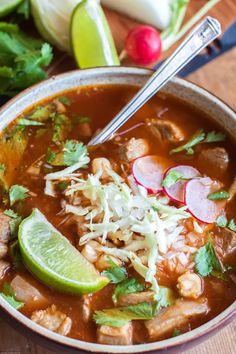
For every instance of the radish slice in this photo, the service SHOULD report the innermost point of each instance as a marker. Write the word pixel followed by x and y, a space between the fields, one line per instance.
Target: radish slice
pixel 148 172
pixel 196 193
pixel 176 191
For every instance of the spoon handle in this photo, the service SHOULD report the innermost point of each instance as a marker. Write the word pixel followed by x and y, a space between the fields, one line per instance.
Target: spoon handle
pixel 198 39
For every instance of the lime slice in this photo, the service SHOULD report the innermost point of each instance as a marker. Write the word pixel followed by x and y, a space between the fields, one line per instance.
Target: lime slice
pixel 7 6
pixel 52 258
pixel 91 37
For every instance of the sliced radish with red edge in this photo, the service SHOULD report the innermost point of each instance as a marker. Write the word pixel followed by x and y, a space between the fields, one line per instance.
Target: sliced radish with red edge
pixel 148 172
pixel 196 193
pixel 176 191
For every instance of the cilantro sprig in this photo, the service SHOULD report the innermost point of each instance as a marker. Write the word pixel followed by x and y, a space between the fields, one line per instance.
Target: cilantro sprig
pixel 17 193
pixel 14 222
pixel 127 286
pixel 223 222
pixel 206 261
pixel 22 60
pixel 220 195
pixel 115 273
pixel 199 137
pixel 120 316
pixel 171 178
pixel 9 295
pixel 69 153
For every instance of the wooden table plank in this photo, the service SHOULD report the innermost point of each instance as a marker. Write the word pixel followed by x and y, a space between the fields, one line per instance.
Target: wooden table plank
pixel 218 77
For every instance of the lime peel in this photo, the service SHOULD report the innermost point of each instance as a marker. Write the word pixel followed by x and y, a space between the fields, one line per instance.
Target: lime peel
pixel 53 260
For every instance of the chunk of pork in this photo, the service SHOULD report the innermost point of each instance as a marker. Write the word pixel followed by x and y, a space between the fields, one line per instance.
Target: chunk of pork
pixel 165 130
pixel 26 292
pixel 137 298
pixel 53 319
pixel 175 316
pixel 4 267
pixel 216 159
pixel 115 335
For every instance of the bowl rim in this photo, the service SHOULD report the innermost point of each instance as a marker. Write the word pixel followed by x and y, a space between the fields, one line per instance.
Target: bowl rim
pixel 227 315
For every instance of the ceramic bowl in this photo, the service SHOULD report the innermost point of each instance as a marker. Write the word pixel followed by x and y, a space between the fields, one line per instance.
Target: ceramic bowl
pixel 180 89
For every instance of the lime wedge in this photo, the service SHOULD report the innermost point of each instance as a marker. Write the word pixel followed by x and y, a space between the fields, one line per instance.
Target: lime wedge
pixel 53 260
pixel 91 38
pixel 7 6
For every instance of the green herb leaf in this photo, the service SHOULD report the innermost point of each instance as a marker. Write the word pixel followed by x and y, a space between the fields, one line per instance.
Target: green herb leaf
pixel 221 221
pixel 69 154
pixel 120 316
pixel 15 255
pixel 17 193
pixel 220 195
pixel 165 297
pixel 127 286
pixel 171 178
pixel 9 295
pixel 41 113
pixel 62 185
pixel 61 128
pixel 25 56
pixel 24 9
pixel 197 138
pixel 176 333
pixel 50 156
pixel 14 222
pixel 28 122
pixel 2 168
pixel 206 260
pixel 64 100
pixel 232 225
pixel 213 137
pixel 115 273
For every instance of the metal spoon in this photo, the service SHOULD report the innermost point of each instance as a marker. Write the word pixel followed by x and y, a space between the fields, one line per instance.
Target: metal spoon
pixel 198 39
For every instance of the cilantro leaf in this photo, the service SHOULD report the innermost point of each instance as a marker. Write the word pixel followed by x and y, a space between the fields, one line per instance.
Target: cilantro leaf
pixel 61 128
pixel 213 137
pixel 17 193
pixel 24 9
pixel 176 333
pixel 221 221
pixel 127 286
pixel 28 122
pixel 14 222
pixel 9 295
pixel 120 316
pixel 197 138
pixel 115 273
pixel 164 297
pixel 232 225
pixel 2 168
pixel 15 255
pixel 206 260
pixel 24 57
pixel 64 100
pixel 220 195
pixel 171 178
pixel 70 153
pixel 41 113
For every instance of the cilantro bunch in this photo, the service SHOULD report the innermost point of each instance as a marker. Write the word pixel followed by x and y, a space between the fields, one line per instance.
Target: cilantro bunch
pixel 22 59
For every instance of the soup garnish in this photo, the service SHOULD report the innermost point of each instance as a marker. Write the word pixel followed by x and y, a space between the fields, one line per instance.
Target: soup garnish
pixel 130 241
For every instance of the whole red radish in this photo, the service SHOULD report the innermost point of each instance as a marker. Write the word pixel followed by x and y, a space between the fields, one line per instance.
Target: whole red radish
pixel 143 45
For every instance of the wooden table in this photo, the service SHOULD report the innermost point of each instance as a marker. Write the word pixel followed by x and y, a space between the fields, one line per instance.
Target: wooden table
pixel 218 77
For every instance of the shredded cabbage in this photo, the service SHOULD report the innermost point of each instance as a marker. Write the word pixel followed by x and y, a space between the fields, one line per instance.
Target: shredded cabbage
pixel 119 211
